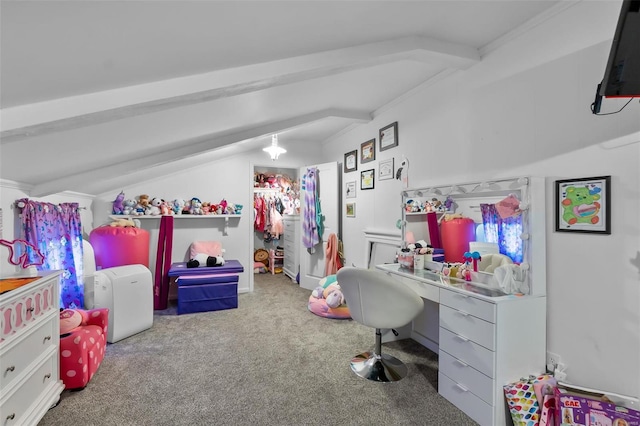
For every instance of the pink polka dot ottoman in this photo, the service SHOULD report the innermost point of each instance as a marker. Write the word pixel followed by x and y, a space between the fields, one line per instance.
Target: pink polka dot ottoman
pixel 82 349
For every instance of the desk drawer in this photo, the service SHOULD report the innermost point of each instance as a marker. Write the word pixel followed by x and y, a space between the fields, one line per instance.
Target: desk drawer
pixel 471 305
pixel 465 400
pixel 477 356
pixel 473 328
pixel 466 376
pixel 424 290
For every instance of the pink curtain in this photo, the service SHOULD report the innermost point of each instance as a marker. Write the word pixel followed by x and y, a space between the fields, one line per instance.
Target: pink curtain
pixel 56 230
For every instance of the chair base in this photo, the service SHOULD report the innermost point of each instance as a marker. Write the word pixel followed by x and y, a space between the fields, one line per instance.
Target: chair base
pixel 378 368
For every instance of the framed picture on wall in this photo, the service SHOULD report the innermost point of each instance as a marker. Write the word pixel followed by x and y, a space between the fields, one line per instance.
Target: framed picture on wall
pixel 385 169
pixel 367 179
pixel 368 151
pixel 389 136
pixel 351 189
pixel 351 161
pixel 351 209
pixel 583 205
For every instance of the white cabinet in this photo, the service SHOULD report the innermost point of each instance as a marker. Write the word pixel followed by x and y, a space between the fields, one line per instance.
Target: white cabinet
pixel 484 340
pixel 291 246
pixel 29 351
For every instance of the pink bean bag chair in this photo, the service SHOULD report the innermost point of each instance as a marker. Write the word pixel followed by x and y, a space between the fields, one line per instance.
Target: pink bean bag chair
pixel 83 340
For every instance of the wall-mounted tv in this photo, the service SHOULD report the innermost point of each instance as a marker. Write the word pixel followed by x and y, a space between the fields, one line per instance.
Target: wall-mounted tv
pixel 622 75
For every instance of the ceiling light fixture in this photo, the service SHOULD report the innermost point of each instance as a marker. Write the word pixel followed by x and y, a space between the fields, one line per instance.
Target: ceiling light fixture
pixel 274 150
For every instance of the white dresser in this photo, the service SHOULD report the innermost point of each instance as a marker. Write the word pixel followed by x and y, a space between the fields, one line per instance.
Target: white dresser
pixel 291 245
pixel 29 351
pixel 483 340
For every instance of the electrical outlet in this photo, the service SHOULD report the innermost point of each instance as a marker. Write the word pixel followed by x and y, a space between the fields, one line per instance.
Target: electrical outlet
pixel 553 359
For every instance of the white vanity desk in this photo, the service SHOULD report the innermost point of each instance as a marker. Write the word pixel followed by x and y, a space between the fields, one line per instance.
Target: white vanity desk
pixel 484 339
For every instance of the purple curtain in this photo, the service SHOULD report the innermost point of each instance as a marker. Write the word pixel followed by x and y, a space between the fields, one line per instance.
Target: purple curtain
pixel 56 230
pixel 504 231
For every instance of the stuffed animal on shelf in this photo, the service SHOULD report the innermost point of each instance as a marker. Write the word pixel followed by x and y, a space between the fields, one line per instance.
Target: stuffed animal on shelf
pixel 202 260
pixel 118 204
pixel 177 206
pixel 154 207
pixel 129 207
pixel 166 209
pixel 196 206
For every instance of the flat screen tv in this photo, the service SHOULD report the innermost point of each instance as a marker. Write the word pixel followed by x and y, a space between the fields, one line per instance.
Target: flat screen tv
pixel 622 75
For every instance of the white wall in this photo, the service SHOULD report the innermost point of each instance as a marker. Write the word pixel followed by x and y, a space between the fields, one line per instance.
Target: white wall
pixel 230 178
pixel 525 110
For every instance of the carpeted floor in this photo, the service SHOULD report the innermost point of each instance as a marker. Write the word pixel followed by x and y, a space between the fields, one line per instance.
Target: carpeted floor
pixel 269 362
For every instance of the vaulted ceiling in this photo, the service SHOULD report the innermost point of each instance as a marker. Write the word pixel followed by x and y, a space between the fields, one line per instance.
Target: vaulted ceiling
pixel 95 93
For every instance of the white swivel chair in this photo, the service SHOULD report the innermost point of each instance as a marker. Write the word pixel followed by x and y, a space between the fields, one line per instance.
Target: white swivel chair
pixel 378 301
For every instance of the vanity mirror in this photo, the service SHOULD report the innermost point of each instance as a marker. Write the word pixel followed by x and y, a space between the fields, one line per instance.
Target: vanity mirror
pixel 500 222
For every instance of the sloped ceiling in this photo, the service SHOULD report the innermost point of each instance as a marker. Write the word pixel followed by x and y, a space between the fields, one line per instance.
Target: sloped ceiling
pixel 95 93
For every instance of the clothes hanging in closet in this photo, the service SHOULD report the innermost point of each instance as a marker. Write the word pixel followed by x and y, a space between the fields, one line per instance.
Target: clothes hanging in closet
pixel 268 219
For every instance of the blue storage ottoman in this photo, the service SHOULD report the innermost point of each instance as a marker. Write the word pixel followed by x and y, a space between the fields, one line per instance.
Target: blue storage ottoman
pixel 202 293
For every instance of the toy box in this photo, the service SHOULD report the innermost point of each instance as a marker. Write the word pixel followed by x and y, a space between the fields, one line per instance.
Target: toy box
pixel 577 408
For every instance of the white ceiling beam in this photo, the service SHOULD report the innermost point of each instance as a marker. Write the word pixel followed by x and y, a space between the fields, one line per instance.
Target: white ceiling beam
pixel 191 147
pixel 25 121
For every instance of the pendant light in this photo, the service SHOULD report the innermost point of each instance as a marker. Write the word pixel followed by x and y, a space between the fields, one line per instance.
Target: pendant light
pixel 274 150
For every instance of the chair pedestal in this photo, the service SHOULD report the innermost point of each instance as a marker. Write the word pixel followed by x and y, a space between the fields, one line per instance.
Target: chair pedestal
pixel 377 366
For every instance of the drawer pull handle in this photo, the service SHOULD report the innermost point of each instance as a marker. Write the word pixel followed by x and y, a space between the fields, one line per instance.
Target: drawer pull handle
pixel 463 313
pixel 46 338
pixel 462 387
pixel 11 416
pixel 13 367
pixel 47 376
pixel 464 339
pixel 464 364
pixel 31 309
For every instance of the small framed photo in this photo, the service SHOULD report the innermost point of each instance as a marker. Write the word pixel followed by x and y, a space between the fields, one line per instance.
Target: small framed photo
pixel 583 205
pixel 367 179
pixel 368 151
pixel 351 189
pixel 351 209
pixel 351 161
pixel 385 169
pixel 389 136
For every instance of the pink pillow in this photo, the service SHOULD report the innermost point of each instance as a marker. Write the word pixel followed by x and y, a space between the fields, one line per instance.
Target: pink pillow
pixel 211 248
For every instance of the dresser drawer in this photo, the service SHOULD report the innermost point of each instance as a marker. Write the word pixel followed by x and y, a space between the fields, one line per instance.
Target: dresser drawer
pixel 473 328
pixel 465 400
pixel 466 376
pixel 289 264
pixel 477 356
pixel 289 226
pixel 18 404
pixel 25 308
pixel 289 247
pixel 18 357
pixel 468 304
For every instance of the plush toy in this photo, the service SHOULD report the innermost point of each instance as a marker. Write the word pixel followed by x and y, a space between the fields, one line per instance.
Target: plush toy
pixel 177 205
pixel 206 207
pixel 166 209
pixel 129 207
pixel 154 207
pixel 202 260
pixel 118 204
pixel 186 209
pixel 335 298
pixel 70 319
pixel 123 223
pixel 196 206
pixel 318 292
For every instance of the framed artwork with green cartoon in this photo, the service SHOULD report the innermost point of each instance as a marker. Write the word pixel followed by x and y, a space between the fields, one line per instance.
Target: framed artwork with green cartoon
pixel 583 205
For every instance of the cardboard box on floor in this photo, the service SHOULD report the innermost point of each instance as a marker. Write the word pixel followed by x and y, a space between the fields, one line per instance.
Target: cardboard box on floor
pixel 577 407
